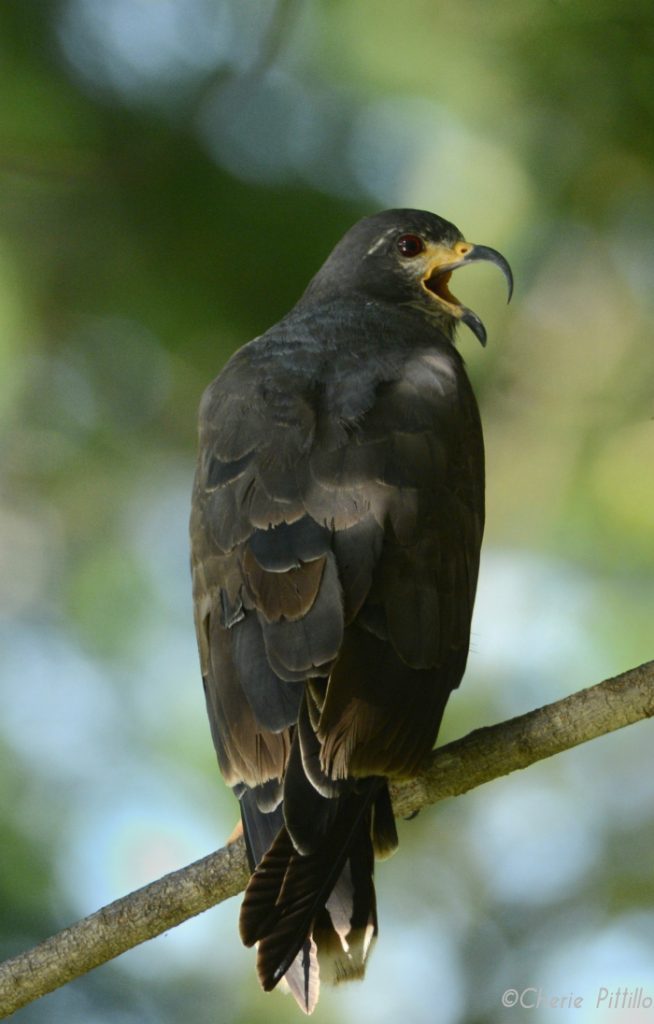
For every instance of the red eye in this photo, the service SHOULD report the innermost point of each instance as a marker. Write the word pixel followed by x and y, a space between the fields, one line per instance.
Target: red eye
pixel 410 245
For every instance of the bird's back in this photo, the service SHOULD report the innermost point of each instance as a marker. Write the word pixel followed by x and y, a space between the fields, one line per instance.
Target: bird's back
pixel 336 531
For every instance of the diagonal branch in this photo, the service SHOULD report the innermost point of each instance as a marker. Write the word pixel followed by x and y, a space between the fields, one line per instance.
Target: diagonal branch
pixel 481 756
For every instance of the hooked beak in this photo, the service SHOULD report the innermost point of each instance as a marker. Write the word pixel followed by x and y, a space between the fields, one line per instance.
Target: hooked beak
pixel 445 260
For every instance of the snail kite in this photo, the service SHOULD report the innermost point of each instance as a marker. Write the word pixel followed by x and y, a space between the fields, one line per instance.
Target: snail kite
pixel 337 518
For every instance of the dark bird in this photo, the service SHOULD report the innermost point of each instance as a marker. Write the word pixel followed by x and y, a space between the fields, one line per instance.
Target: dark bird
pixel 337 518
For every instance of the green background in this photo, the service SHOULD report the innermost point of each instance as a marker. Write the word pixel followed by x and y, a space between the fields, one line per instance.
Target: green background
pixel 171 174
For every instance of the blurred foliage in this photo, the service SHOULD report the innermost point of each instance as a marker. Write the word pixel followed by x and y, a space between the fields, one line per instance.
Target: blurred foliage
pixel 171 175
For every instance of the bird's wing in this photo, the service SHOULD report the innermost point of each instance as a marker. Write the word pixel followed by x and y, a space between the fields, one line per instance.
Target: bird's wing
pixel 244 491
pixel 407 646
pixel 342 551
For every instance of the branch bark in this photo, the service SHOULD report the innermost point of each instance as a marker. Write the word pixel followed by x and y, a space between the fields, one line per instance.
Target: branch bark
pixel 481 756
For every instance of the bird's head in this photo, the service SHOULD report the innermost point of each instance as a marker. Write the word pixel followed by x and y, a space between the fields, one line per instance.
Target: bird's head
pixel 406 257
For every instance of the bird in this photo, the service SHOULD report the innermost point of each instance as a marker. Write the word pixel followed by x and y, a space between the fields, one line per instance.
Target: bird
pixel 336 525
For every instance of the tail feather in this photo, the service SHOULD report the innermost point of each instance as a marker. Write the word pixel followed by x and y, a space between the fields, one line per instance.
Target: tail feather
pixel 301 909
pixel 259 910
pixel 259 827
pixel 302 979
pixel 345 930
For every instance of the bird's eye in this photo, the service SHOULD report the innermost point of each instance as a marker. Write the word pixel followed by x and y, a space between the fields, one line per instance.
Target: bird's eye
pixel 410 245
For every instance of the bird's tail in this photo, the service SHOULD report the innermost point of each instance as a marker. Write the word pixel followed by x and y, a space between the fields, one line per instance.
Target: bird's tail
pixel 314 915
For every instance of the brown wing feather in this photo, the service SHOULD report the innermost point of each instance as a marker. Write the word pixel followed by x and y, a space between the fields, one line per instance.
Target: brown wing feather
pixel 247 752
pixel 289 595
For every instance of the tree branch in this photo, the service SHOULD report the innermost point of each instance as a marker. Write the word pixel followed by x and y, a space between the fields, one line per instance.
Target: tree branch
pixel 481 756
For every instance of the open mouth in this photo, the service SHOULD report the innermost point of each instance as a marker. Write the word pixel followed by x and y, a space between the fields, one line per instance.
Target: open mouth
pixel 446 261
pixel 437 283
